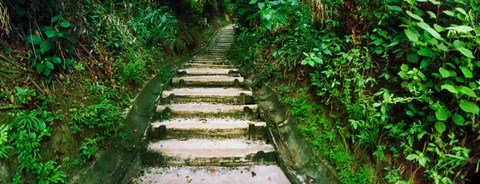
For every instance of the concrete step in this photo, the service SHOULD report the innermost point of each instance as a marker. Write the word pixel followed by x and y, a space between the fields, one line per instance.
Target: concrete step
pixel 210 110
pixel 270 174
pixel 208 80
pixel 208 71
pixel 228 45
pixel 201 152
pixel 236 96
pixel 209 57
pixel 211 128
pixel 202 65
pixel 215 62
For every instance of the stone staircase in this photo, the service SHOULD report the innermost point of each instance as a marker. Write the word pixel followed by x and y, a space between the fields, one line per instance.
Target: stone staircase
pixel 215 135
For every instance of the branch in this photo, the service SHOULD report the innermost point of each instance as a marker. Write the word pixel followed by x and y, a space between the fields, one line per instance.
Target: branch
pixel 14 64
pixel 8 107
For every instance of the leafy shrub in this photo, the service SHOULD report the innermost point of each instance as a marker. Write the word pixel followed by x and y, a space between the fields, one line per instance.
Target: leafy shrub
pixel 3 141
pixel 50 54
pixel 30 130
pixel 88 149
pixel 24 96
pixel 105 117
pixel 384 71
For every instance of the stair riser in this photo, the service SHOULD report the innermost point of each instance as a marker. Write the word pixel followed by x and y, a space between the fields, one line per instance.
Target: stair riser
pixel 214 62
pixel 247 113
pixel 162 133
pixel 196 65
pixel 151 158
pixel 234 100
pixel 182 83
pixel 229 74
pixel 203 58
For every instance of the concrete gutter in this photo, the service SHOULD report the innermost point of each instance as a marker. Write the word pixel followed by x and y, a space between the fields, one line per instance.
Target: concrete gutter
pixel 295 157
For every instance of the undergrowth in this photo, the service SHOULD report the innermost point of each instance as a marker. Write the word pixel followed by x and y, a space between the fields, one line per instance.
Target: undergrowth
pixel 390 88
pixel 75 67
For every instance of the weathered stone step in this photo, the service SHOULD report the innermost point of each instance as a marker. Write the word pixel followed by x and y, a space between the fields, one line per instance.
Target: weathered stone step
pixel 270 174
pixel 212 128
pixel 218 50
pixel 211 95
pixel 228 45
pixel 228 152
pixel 223 47
pixel 206 61
pixel 207 71
pixel 202 65
pixel 209 57
pixel 208 80
pixel 211 110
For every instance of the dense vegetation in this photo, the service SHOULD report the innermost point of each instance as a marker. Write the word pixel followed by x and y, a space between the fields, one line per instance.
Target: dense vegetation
pixel 386 91
pixel 69 70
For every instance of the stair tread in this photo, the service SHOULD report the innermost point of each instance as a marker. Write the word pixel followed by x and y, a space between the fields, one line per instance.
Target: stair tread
pixel 203 65
pixel 207 78
pixel 214 175
pixel 206 123
pixel 206 92
pixel 206 71
pixel 207 148
pixel 204 107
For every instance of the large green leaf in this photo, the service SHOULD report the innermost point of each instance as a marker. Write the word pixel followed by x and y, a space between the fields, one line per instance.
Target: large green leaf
pixel 425 63
pixel 462 29
pixel 466 52
pixel 444 72
pixel 65 24
pixel 429 29
pixel 441 127
pixel 450 88
pixel 466 72
pixel 56 60
pixel 470 107
pixel 404 67
pixel 409 13
pixel 442 114
pixel 426 52
pixel 449 13
pixel 467 91
pixel 49 64
pixel 39 67
pixel 50 32
pixel 45 46
pixel 410 35
pixel 394 8
pixel 34 39
pixel 458 120
pixel 47 72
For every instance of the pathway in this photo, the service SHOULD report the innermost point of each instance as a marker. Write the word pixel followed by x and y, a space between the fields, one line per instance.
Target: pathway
pixel 215 135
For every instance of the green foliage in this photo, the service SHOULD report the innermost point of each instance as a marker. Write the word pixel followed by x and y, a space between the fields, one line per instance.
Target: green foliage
pixel 386 71
pixel 88 149
pixel 24 96
pixel 134 70
pixel 30 130
pixel 50 173
pixel 51 53
pixel 3 141
pixel 104 90
pixel 104 117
